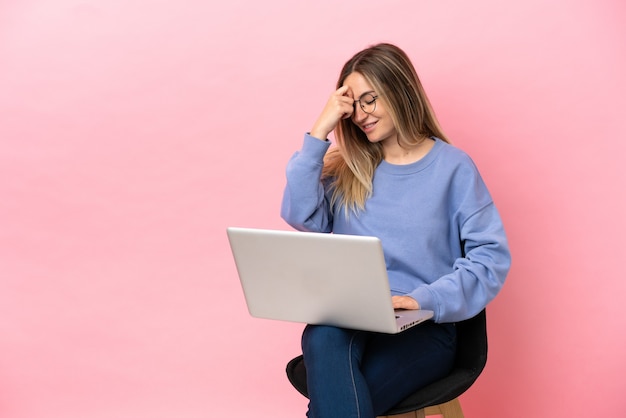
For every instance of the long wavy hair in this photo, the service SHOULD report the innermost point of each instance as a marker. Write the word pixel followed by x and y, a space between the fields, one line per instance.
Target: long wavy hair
pixel 349 167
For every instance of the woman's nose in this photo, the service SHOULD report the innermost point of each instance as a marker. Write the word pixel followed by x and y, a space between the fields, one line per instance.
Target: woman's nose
pixel 358 113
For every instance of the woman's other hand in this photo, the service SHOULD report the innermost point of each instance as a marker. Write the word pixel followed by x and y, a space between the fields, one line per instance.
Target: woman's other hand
pixel 339 106
pixel 404 302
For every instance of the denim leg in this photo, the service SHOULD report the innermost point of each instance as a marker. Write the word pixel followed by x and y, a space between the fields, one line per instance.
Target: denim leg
pixel 397 365
pixel 358 374
pixel 332 358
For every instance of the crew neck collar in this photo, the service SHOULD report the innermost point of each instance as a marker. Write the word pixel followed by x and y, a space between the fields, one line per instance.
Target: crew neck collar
pixel 419 165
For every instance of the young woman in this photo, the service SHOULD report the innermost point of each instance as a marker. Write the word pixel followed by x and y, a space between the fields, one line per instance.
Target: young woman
pixel 393 175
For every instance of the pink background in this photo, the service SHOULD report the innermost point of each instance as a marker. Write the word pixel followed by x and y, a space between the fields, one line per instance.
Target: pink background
pixel 132 132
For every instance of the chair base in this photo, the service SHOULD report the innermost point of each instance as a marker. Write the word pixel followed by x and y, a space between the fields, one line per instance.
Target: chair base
pixel 450 409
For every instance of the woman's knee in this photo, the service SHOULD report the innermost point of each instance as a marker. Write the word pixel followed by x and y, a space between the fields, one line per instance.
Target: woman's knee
pixel 321 337
pixel 324 339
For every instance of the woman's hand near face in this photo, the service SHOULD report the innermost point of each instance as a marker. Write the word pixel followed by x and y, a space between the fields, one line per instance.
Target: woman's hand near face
pixel 339 106
pixel 404 302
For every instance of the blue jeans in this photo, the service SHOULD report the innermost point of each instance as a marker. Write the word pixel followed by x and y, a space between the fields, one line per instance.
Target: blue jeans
pixel 360 374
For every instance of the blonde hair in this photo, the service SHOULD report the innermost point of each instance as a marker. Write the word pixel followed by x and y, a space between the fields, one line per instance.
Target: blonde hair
pixel 350 165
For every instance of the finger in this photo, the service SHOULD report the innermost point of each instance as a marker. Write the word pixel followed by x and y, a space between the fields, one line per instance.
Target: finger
pixel 346 99
pixel 349 111
pixel 404 302
pixel 341 91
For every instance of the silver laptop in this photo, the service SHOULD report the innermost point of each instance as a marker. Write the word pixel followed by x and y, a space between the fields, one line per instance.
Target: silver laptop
pixel 317 278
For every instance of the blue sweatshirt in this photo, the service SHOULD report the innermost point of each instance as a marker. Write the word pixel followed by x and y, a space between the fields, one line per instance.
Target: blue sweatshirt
pixel 442 236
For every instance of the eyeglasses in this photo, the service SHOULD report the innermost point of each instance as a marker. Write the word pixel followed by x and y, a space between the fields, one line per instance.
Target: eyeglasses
pixel 367 102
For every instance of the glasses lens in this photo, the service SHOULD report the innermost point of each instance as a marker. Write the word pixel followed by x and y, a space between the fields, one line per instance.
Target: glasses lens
pixel 368 102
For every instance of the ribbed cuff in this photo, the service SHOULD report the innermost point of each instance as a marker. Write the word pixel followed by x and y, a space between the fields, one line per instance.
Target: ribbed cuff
pixel 314 146
pixel 426 300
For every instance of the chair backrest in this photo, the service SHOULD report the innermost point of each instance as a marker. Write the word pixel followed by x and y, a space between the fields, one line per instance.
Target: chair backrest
pixel 472 342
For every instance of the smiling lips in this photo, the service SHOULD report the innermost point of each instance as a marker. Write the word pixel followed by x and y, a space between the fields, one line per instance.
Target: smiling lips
pixel 368 127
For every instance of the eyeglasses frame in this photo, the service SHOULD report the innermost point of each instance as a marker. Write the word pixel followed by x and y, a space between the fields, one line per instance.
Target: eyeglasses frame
pixel 361 105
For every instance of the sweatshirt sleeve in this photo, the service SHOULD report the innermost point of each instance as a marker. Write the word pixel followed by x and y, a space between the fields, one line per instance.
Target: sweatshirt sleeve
pixel 305 205
pixel 479 273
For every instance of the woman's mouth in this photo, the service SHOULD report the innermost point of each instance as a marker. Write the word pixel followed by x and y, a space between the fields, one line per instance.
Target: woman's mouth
pixel 368 127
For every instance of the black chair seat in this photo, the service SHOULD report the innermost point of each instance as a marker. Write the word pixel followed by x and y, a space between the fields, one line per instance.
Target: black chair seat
pixel 470 361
